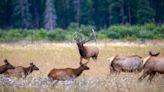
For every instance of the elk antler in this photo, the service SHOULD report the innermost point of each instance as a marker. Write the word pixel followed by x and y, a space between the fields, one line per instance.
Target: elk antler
pixel 92 36
pixel 79 37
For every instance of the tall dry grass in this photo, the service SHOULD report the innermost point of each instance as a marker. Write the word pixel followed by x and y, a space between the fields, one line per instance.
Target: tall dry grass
pixel 60 55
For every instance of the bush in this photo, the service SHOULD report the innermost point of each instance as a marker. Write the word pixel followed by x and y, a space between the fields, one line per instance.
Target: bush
pixel 101 36
pixel 125 32
pixel 149 26
pixel 57 35
pixel 13 35
pixel 118 31
pixel 40 34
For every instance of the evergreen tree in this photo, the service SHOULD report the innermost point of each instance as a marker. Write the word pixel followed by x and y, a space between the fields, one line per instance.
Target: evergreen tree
pixel 49 15
pixel 117 12
pixel 78 10
pixel 144 12
pixel 130 11
pixel 86 12
pixel 100 13
pixel 36 10
pixel 21 13
pixel 158 6
pixel 5 13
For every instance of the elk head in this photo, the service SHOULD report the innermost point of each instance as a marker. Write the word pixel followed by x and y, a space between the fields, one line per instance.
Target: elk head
pixel 84 66
pixel 8 65
pixel 33 67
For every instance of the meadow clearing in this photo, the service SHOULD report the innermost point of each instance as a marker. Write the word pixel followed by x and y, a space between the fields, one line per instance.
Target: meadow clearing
pixel 60 55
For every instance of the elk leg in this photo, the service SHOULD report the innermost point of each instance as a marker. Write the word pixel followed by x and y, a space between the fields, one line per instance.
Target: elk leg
pixel 143 76
pixel 81 59
pixel 151 76
pixel 88 60
pixel 94 57
pixel 55 83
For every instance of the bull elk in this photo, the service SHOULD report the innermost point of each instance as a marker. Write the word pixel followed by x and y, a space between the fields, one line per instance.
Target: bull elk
pixel 21 72
pixel 67 73
pixel 6 66
pixel 152 65
pixel 125 63
pixel 87 52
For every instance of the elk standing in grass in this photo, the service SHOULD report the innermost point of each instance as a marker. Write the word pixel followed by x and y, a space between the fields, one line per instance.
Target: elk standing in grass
pixel 67 73
pixel 5 67
pixel 152 65
pixel 125 63
pixel 21 72
pixel 87 52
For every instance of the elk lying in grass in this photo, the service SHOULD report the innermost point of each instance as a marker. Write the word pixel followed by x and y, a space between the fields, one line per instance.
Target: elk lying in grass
pixel 125 63
pixel 67 73
pixel 87 52
pixel 6 66
pixel 21 72
pixel 152 65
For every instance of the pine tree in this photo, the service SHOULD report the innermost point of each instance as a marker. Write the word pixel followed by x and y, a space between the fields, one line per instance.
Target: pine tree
pixel 158 6
pixel 78 10
pixel 86 12
pixel 144 13
pixel 22 13
pixel 100 13
pixel 50 15
pixel 117 12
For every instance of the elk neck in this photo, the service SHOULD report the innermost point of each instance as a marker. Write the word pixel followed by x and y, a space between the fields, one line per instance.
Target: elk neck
pixel 28 70
pixel 78 71
pixel 3 68
pixel 82 51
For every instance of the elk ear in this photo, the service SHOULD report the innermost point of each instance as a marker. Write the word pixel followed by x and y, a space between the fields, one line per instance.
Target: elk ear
pixel 31 64
pixel 6 61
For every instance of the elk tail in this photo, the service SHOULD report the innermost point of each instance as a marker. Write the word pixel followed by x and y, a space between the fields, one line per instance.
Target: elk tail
pixel 110 60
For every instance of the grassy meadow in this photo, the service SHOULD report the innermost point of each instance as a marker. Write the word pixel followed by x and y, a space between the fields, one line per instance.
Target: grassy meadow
pixel 60 55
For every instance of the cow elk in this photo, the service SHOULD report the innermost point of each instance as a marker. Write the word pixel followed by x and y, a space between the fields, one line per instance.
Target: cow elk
pixel 21 72
pixel 6 66
pixel 87 52
pixel 119 64
pixel 152 65
pixel 67 73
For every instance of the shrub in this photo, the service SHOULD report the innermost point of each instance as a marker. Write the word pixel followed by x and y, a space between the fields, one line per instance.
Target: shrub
pixel 57 35
pixel 40 34
pixel 125 32
pixel 101 35
pixel 13 35
pixel 149 26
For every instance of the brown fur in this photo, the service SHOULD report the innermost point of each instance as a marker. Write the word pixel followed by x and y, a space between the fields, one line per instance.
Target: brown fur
pixel 67 73
pixel 152 65
pixel 125 63
pixel 21 72
pixel 87 52
pixel 6 66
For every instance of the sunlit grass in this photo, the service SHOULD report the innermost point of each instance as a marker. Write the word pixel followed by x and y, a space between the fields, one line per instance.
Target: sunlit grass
pixel 60 55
